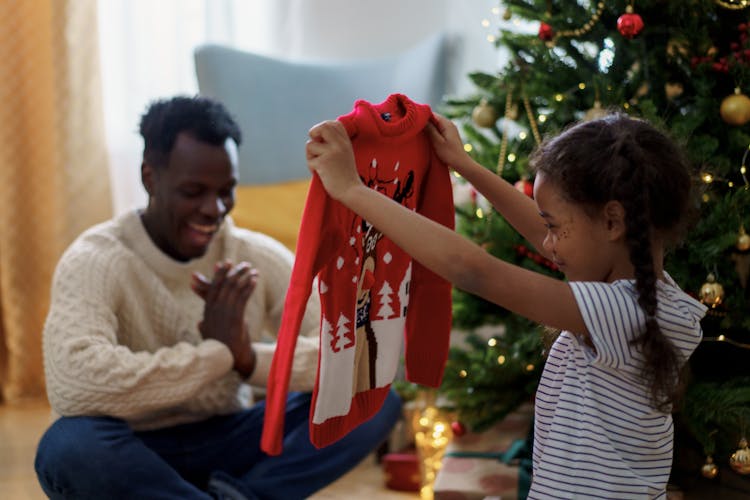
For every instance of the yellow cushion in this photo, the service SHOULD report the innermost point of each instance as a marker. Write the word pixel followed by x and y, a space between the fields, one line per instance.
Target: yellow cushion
pixel 273 209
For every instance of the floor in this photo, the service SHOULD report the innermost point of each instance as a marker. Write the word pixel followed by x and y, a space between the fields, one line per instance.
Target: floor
pixel 22 425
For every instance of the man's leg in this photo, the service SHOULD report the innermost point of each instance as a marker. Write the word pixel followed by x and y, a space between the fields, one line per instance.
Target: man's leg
pixel 88 457
pixel 302 469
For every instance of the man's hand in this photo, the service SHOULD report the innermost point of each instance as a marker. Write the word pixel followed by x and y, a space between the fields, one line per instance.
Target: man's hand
pixel 223 313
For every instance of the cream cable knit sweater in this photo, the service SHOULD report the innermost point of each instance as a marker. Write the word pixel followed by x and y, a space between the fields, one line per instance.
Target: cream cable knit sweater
pixel 121 337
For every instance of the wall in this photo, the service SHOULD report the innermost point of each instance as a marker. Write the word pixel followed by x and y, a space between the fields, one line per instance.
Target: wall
pixel 146 50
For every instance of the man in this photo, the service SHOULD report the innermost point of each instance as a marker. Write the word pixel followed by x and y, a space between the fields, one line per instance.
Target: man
pixel 160 322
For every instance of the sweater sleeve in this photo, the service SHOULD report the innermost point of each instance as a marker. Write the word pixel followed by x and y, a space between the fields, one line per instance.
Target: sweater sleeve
pixel 88 373
pixel 314 238
pixel 428 323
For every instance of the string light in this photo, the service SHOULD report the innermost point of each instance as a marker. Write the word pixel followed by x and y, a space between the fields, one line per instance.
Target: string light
pixel 724 338
pixel 432 433
pixel 492 342
pixel 709 178
pixel 501 360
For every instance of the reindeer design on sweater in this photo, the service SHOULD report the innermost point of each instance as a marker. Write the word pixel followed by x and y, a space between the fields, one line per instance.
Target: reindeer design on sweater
pixel 366 350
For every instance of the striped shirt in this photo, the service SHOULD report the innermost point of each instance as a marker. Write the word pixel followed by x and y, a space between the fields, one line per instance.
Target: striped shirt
pixel 596 433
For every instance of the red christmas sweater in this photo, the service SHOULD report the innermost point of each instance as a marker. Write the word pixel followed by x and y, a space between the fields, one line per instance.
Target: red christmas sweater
pixel 373 296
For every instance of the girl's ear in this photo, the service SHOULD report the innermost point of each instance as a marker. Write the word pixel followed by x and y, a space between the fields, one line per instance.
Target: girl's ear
pixel 614 217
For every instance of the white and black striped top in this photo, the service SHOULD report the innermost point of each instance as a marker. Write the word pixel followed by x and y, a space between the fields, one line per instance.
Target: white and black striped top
pixel 596 434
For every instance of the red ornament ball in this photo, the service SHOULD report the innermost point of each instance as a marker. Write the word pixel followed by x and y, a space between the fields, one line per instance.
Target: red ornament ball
pixel 458 429
pixel 629 24
pixel 546 32
pixel 526 187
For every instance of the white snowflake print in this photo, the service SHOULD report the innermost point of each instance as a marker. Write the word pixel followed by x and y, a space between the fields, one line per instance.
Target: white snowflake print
pixel 387 258
pixel 339 263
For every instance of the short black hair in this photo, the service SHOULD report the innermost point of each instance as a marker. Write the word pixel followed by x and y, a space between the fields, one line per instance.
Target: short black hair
pixel 204 118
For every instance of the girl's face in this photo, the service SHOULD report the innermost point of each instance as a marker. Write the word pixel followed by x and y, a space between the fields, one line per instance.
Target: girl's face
pixel 585 248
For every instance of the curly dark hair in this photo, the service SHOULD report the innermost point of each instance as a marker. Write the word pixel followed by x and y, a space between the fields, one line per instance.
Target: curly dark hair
pixel 629 160
pixel 205 119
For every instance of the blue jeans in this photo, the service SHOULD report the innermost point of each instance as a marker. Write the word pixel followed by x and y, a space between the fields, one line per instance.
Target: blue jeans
pixel 102 457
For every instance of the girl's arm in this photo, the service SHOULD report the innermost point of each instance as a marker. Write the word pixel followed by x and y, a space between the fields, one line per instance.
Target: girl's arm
pixel 517 208
pixel 461 262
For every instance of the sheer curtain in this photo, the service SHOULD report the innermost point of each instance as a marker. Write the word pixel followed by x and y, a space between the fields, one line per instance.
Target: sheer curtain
pixel 147 47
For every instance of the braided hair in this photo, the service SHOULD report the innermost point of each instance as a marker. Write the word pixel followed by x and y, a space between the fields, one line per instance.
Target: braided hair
pixel 630 161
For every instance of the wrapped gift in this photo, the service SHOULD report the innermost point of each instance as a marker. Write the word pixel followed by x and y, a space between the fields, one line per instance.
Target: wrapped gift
pixel 479 465
pixel 401 471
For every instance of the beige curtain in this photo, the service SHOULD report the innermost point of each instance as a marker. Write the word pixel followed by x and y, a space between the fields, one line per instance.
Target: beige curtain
pixel 53 167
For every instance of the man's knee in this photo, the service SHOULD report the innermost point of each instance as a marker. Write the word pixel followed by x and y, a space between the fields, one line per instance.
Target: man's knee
pixel 72 449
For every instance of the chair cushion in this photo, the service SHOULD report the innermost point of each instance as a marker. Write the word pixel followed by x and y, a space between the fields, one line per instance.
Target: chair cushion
pixel 273 209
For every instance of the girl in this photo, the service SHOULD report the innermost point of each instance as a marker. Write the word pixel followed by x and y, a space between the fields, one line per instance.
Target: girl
pixel 609 196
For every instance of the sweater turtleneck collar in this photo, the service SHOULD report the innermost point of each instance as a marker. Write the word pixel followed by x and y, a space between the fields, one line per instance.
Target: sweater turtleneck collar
pixel 394 117
pixel 138 239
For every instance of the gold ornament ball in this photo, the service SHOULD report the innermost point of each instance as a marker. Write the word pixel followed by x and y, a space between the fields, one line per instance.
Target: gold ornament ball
pixel 513 112
pixel 740 459
pixel 484 115
pixel 743 240
pixel 709 469
pixel 732 4
pixel 672 90
pixel 711 293
pixel 507 14
pixel 735 109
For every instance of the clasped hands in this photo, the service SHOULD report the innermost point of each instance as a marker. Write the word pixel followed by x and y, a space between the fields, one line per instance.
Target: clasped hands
pixel 225 297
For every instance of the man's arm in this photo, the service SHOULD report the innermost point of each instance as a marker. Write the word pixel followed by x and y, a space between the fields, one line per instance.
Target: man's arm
pixel 89 369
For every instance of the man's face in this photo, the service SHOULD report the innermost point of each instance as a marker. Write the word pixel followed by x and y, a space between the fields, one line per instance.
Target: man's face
pixel 189 198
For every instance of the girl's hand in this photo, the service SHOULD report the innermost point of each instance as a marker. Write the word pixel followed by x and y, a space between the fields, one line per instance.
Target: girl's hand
pixel 447 143
pixel 330 155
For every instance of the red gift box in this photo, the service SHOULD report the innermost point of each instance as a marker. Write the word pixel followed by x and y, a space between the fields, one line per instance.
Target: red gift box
pixel 402 471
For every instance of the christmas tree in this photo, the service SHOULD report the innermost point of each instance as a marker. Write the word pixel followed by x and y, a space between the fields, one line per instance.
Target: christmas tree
pixel 684 65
